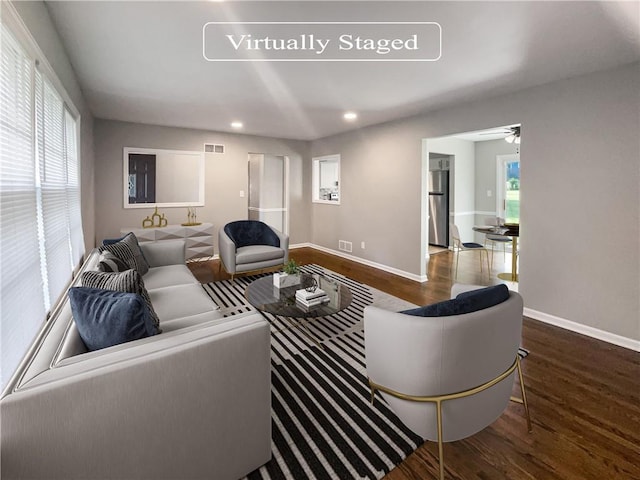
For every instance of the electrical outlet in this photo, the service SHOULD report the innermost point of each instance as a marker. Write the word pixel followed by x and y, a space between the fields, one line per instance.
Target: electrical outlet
pixel 489 193
pixel 241 193
pixel 362 245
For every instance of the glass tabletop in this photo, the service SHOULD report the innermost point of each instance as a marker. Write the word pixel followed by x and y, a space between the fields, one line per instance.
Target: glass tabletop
pixel 266 297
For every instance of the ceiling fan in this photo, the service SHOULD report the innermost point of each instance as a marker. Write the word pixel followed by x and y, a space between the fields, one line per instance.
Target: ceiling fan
pixel 513 134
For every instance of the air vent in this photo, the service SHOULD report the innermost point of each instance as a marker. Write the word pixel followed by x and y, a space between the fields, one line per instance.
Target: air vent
pixel 213 148
pixel 345 246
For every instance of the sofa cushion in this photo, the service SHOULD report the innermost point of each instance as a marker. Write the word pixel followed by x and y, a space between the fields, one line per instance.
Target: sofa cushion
pixel 180 301
pixel 258 253
pixel 193 320
pixel 105 317
pixel 128 251
pixel 128 281
pixel 466 302
pixel 110 263
pixel 251 232
pixel 168 275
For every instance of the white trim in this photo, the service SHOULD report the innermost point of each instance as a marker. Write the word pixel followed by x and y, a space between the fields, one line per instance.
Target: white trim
pixel 301 245
pixel 488 214
pixel 258 209
pixel 369 263
pixel 592 332
pixel 462 214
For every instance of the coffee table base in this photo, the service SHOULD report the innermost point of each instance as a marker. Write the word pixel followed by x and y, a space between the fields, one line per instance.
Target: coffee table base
pixel 302 327
pixel 508 276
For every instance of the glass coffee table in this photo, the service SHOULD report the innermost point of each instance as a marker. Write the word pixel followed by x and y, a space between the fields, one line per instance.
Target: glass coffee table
pixel 267 298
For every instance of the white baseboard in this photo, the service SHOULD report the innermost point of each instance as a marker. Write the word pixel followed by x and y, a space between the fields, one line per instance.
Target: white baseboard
pixel 592 332
pixel 584 329
pixel 369 263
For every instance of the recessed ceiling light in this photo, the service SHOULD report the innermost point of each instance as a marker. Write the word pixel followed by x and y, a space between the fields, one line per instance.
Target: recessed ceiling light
pixel 350 116
pixel 236 124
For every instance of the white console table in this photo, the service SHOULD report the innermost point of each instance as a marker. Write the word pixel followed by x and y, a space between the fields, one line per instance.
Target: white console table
pixel 199 238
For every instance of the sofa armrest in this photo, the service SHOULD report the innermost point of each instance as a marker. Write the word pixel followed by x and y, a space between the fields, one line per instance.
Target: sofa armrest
pixel 166 252
pixel 227 251
pixel 194 406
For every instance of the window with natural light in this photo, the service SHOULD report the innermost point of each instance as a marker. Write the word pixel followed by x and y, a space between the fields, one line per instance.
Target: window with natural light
pixel 41 240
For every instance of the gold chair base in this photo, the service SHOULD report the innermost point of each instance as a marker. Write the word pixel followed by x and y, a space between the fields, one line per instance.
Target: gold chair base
pixel 439 399
pixel 510 277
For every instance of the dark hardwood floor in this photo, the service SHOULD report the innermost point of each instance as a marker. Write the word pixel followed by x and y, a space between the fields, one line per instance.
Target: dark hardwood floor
pixel 584 394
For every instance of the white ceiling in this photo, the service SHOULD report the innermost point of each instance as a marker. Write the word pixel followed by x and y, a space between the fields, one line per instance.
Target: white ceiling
pixel 142 61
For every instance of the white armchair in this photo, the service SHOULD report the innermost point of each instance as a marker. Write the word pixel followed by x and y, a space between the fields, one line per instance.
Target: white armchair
pixel 251 245
pixel 446 377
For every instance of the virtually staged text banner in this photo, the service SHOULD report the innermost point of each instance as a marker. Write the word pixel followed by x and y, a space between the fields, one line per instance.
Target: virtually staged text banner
pixel 322 41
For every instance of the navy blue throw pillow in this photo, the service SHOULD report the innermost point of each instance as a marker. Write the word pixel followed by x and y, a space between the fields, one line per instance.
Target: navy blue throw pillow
pixel 484 297
pixel 251 232
pixel 111 241
pixel 106 317
pixel 440 309
pixel 466 302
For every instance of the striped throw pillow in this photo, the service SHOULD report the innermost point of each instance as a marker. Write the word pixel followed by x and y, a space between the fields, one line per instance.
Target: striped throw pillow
pixel 128 281
pixel 129 252
pixel 110 263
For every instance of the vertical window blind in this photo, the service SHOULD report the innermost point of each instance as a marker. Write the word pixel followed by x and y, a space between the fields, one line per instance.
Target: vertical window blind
pixel 40 222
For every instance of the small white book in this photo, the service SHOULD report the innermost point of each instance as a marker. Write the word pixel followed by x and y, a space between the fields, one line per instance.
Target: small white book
pixel 305 295
pixel 313 302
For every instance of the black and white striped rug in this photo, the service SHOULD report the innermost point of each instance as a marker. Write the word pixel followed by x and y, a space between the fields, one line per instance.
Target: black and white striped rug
pixel 323 424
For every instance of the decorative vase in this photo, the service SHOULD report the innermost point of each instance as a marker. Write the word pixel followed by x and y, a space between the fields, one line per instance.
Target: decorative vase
pixel 283 280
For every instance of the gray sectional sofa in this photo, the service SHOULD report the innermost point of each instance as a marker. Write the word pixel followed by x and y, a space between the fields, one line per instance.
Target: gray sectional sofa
pixel 191 403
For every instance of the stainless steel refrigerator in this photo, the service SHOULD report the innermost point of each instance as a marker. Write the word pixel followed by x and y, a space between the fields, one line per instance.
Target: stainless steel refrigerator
pixel 439 208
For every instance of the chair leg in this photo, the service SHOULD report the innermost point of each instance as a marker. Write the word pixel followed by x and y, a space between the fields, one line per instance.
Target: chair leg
pixel 489 263
pixel 524 395
pixel 457 261
pixel 440 446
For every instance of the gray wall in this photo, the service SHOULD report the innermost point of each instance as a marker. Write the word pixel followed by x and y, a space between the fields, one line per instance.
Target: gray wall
pixel 381 190
pixel 461 182
pixel 485 154
pixel 580 216
pixel 225 175
pixel 35 16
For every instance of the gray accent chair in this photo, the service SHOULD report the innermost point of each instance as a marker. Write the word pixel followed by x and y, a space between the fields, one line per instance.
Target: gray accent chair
pixel 449 377
pixel 250 245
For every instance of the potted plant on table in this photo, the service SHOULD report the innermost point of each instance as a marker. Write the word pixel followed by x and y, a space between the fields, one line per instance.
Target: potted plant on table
pixel 289 277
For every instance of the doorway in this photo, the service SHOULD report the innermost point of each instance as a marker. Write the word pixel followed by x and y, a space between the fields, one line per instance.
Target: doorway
pixel 268 190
